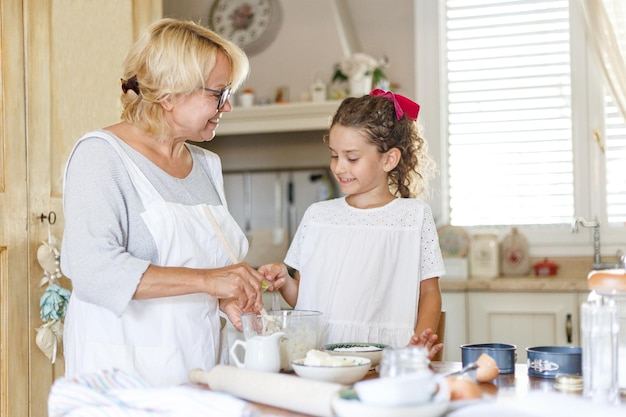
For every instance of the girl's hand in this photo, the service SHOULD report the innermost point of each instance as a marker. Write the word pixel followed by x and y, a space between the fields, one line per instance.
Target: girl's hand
pixel 275 275
pixel 427 339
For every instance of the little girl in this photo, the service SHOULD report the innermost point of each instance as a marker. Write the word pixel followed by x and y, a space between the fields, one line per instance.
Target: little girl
pixel 370 261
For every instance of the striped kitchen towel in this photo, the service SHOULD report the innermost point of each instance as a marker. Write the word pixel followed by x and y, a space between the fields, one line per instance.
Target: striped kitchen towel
pixel 115 393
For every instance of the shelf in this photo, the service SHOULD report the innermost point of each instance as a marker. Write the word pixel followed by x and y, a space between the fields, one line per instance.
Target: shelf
pixel 289 117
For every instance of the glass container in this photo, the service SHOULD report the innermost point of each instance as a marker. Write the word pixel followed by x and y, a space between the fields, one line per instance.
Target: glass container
pixel 609 286
pixel 403 361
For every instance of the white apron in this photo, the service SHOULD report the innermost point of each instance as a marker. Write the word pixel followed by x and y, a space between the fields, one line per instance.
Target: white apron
pixel 159 339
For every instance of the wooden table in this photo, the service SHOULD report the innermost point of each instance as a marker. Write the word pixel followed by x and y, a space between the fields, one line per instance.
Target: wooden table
pixel 504 388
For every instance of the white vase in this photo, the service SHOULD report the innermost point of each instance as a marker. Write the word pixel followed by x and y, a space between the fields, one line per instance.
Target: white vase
pixel 360 86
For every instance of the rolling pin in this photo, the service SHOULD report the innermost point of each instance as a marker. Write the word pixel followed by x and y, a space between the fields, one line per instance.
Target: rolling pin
pixel 278 390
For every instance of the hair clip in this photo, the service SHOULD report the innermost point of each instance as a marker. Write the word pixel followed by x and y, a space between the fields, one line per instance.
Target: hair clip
pixel 402 104
pixel 130 84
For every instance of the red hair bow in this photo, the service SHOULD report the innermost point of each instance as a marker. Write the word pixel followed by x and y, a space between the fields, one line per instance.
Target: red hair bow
pixel 402 104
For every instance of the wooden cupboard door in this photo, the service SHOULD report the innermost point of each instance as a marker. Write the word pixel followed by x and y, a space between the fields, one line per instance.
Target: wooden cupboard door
pixel 524 319
pixel 60 64
pixel 75 52
pixel 14 288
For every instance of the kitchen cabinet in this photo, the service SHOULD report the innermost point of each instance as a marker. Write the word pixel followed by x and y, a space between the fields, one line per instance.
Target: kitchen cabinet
pixel 525 319
pixel 455 305
pixel 274 118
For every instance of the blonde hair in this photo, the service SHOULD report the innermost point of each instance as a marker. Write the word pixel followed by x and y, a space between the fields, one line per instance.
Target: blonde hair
pixel 173 57
pixel 375 117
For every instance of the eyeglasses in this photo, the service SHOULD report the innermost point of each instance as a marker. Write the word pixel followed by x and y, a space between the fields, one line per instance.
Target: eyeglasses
pixel 223 95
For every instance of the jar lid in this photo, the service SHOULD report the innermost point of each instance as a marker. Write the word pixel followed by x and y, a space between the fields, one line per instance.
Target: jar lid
pixel 565 382
pixel 607 280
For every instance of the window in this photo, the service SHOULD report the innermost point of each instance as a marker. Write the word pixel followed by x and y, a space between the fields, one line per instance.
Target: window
pixel 509 112
pixel 514 109
pixel 615 165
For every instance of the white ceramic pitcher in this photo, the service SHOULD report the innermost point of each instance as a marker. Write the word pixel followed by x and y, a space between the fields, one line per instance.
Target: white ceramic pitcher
pixel 262 353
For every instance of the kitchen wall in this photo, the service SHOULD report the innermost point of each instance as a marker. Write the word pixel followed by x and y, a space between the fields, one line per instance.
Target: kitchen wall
pixel 259 173
pixel 308 42
pixel 307 47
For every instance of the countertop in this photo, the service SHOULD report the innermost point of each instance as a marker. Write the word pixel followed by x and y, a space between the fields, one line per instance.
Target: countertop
pixel 513 284
pixel 571 277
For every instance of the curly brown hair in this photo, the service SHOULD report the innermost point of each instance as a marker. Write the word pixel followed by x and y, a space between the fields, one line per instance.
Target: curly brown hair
pixel 375 117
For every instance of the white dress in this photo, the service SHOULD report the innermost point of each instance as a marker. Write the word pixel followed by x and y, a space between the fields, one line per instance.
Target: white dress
pixel 362 268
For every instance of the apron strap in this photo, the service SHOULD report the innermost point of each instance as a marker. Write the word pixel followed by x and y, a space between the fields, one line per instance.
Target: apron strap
pixel 220 234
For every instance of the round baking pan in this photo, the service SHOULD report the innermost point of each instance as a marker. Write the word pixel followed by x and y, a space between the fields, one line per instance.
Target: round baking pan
pixel 503 353
pixel 550 361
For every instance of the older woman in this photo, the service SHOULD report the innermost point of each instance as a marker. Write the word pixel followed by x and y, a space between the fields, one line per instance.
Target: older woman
pixel 150 247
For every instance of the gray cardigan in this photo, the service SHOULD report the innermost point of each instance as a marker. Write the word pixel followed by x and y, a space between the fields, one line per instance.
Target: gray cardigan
pixel 106 246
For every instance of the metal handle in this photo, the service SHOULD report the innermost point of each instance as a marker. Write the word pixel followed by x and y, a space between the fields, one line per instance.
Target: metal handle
pixel 597 138
pixel 51 217
pixel 568 328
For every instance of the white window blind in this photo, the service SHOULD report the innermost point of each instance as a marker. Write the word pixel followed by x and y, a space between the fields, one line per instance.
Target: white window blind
pixel 509 112
pixel 615 156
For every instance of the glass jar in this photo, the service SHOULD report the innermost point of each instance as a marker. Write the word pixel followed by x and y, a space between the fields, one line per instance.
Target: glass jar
pixel 610 286
pixel 484 256
pixel 599 350
pixel 403 361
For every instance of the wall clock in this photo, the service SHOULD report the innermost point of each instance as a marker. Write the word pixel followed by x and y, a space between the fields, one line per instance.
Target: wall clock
pixel 251 24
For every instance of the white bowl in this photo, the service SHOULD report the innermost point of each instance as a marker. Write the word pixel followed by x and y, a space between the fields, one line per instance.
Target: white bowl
pixel 371 351
pixel 351 370
pixel 355 408
pixel 403 390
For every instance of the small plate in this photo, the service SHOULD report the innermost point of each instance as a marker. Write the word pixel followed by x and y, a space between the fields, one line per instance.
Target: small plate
pixel 453 241
pixel 371 351
pixel 351 407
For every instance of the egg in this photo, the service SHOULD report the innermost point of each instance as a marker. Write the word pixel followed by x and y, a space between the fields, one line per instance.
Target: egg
pixel 488 389
pixel 463 389
pixel 487 368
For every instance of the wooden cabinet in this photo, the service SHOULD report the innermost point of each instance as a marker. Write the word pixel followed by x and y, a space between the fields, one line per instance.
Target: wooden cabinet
pixel 525 319
pixel 57 81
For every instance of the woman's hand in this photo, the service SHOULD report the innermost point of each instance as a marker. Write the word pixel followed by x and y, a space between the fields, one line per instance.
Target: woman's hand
pixel 233 312
pixel 240 282
pixel 427 339
pixel 276 275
